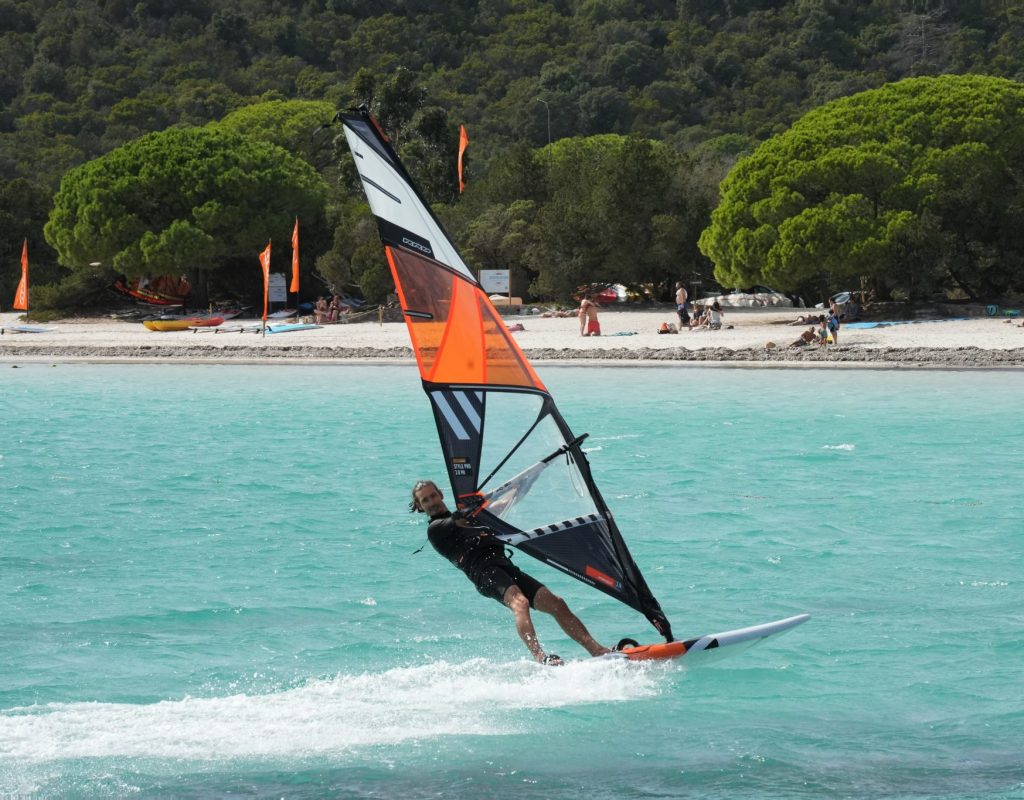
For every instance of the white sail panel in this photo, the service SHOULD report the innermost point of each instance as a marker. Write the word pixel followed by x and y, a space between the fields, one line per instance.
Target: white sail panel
pixel 392 199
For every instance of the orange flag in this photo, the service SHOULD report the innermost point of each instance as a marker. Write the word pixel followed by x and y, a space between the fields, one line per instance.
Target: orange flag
pixel 295 259
pixel 265 263
pixel 463 144
pixel 21 295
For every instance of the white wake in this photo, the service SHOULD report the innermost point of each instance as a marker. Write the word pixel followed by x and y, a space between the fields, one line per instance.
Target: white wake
pixel 322 716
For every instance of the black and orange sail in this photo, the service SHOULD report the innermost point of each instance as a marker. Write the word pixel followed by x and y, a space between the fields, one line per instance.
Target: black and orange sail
pixel 510 456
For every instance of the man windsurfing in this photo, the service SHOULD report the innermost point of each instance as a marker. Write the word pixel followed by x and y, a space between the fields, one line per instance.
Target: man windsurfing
pixel 482 557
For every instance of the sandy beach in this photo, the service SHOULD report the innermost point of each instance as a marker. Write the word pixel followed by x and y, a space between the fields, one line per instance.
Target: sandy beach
pixel 751 336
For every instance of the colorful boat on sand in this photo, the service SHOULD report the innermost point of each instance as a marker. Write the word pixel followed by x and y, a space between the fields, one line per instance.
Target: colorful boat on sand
pixel 206 322
pixel 167 324
pixel 182 324
pixel 165 290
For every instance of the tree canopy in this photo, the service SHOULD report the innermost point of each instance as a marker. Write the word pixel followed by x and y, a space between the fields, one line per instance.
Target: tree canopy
pixel 709 79
pixel 294 125
pixel 588 209
pixel 616 210
pixel 916 185
pixel 186 201
pixel 79 79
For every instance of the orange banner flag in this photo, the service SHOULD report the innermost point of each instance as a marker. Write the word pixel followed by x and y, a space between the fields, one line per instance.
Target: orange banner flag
pixel 295 259
pixel 21 295
pixel 265 264
pixel 463 144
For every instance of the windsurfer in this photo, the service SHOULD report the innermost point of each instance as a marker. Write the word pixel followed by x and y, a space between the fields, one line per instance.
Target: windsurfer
pixel 482 557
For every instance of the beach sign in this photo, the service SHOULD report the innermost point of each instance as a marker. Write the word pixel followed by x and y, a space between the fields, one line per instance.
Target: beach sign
pixel 277 288
pixel 495 281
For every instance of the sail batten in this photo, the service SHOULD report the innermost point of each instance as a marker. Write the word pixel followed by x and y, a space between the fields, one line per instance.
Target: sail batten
pixel 509 454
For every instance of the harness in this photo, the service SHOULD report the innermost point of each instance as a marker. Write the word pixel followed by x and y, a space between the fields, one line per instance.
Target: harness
pixel 470 549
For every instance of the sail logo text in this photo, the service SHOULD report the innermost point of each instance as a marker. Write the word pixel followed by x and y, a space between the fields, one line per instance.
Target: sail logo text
pixel 417 246
pixel 607 580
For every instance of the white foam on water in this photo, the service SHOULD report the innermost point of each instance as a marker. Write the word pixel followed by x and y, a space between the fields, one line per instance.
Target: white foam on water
pixel 323 716
pixel 839 447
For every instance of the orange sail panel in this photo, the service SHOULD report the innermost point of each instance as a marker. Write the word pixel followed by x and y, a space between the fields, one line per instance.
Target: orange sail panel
pixel 456 333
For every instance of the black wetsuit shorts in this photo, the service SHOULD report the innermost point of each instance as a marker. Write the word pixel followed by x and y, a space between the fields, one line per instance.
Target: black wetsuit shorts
pixel 480 556
pixel 494 581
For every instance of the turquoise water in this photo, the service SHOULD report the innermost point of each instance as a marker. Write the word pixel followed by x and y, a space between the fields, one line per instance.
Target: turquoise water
pixel 207 588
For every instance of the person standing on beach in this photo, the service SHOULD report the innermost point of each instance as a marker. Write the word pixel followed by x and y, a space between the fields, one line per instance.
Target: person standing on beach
pixel 589 326
pixel 681 312
pixel 833 321
pixel 481 556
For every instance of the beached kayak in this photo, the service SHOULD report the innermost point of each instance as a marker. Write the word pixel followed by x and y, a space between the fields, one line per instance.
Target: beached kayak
pixel 182 324
pixel 168 324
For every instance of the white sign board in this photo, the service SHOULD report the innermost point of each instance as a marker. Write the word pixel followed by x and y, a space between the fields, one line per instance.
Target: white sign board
pixel 278 288
pixel 494 281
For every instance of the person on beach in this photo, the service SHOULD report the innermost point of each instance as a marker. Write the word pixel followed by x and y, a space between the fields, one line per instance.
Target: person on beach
pixel 589 326
pixel 833 322
pixel 320 311
pixel 822 331
pixel 681 312
pixel 806 338
pixel 336 309
pixel 713 316
pixel 481 556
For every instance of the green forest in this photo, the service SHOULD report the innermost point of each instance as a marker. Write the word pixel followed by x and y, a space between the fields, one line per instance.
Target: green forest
pixel 806 144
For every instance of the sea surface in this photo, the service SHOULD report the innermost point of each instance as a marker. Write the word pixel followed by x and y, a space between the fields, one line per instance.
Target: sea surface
pixel 208 589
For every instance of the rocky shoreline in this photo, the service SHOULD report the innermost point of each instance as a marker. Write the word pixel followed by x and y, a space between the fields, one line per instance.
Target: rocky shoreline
pixel 850 355
pixel 955 358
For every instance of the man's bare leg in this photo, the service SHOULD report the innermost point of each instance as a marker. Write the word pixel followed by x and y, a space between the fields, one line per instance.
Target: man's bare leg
pixel 551 603
pixel 520 607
